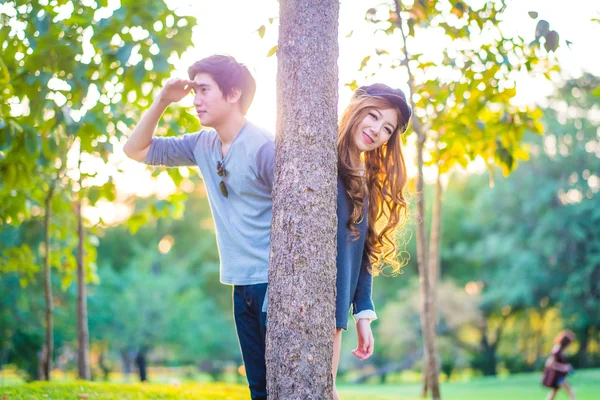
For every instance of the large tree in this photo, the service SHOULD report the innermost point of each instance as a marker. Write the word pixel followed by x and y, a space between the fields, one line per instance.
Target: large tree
pixel 302 265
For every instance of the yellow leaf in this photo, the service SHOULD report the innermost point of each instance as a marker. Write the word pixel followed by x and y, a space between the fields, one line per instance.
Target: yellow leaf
pixel 272 51
pixel 521 154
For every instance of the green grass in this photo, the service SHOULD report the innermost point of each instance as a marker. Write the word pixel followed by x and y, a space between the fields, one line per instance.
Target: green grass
pixel 515 387
pixel 113 391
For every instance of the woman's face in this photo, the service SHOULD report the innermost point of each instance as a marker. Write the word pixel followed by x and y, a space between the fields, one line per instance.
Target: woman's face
pixel 375 129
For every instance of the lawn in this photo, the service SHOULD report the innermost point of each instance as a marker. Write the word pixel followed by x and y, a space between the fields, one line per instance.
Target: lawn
pixel 516 387
pixel 114 391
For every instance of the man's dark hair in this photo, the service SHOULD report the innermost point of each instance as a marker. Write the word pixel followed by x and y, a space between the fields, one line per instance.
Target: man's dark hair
pixel 229 74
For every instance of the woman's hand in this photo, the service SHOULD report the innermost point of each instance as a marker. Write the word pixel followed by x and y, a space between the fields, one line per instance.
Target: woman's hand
pixel 366 343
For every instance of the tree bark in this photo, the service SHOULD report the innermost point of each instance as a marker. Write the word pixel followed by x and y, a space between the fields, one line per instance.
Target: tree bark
pixel 83 361
pixel 430 365
pixel 303 240
pixel 47 362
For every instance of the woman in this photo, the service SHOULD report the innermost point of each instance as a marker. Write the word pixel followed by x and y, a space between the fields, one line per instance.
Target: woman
pixel 557 368
pixel 371 204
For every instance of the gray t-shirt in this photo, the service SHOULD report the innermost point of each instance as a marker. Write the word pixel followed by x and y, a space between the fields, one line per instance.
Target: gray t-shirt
pixel 243 219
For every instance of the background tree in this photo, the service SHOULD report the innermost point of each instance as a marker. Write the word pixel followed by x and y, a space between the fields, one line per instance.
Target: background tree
pixel 461 97
pixel 542 245
pixel 68 71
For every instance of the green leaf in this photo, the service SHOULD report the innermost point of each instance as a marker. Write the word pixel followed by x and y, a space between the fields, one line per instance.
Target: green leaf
pixel 15 126
pixel 140 73
pixel 49 147
pixel 31 142
pixel 136 221
pixel 533 14
pixel 42 24
pixel 124 53
pixel 261 31
pixel 93 194
pixel 160 64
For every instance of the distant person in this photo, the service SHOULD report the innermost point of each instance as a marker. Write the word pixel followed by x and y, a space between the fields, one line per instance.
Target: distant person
pixel 557 368
pixel 370 206
pixel 236 161
pixel 140 362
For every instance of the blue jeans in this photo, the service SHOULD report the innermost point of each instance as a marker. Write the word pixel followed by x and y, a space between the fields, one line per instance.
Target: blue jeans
pixel 251 326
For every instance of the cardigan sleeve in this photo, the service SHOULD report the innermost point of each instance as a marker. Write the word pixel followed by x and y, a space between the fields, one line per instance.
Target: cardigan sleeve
pixel 362 300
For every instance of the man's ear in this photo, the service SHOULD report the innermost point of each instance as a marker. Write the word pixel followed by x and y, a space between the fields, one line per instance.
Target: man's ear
pixel 235 96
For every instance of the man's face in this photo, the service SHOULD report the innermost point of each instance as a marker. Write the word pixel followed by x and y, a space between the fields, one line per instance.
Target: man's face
pixel 211 107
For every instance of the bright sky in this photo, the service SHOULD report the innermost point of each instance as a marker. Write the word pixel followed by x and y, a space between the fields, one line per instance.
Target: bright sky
pixel 230 27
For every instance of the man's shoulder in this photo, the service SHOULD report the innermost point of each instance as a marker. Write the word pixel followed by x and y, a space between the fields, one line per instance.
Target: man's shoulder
pixel 257 134
pixel 206 133
pixel 205 137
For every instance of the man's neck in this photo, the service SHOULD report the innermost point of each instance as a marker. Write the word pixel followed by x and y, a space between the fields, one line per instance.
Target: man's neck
pixel 229 129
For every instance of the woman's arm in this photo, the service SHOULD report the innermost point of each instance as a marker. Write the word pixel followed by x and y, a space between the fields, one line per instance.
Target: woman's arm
pixel 362 302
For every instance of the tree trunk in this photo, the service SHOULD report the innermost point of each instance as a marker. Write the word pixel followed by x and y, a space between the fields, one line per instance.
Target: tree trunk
pixel 128 359
pixel 430 365
pixel 303 241
pixel 487 357
pixel 83 362
pixel 425 383
pixel 47 362
pixel 435 244
pixel 583 337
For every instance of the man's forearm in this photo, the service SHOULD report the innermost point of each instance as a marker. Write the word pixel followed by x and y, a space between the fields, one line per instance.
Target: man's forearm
pixel 139 142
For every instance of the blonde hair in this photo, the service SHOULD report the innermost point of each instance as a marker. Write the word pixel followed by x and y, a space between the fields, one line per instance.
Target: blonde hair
pixel 383 182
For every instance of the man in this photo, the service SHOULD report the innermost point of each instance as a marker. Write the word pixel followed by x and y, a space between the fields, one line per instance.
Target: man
pixel 236 161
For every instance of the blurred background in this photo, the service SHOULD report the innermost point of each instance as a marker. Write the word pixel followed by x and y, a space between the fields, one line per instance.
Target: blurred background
pixel 507 97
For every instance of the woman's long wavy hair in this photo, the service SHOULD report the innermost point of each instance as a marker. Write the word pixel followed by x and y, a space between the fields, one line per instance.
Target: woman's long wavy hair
pixel 383 181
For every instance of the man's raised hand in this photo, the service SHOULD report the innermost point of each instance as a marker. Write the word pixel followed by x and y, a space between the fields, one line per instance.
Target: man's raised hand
pixel 175 89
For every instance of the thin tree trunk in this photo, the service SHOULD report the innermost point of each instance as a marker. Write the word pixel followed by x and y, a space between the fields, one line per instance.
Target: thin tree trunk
pixel 430 367
pixel 427 324
pixel 582 353
pixel 83 361
pixel 425 383
pixel 435 245
pixel 303 240
pixel 47 362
